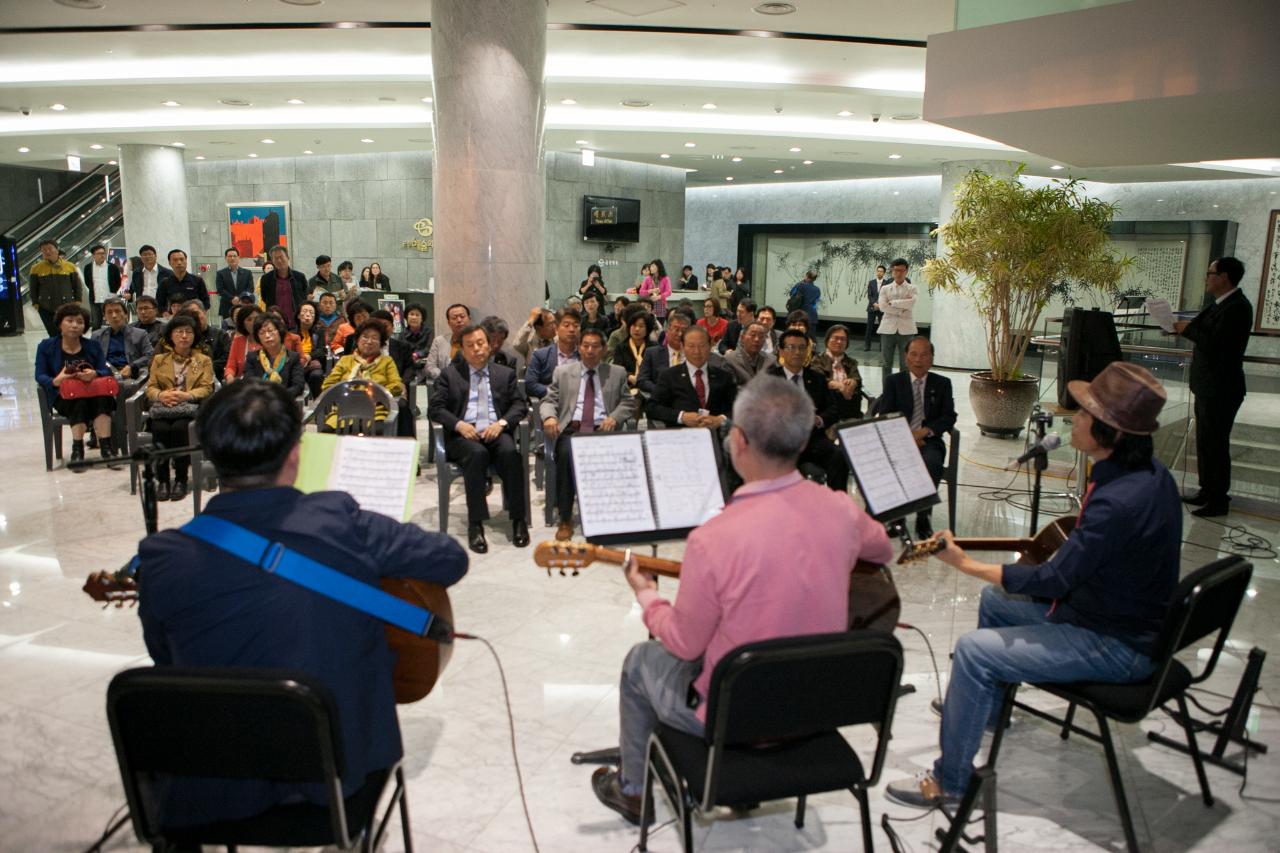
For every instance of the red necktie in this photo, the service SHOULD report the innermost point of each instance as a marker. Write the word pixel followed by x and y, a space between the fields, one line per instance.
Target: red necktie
pixel 700 388
pixel 588 423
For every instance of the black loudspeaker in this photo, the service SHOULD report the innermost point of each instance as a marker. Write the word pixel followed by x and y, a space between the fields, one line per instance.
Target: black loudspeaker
pixel 10 298
pixel 1089 343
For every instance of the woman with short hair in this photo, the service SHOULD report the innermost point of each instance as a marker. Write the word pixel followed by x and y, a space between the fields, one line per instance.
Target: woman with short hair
pixel 274 361
pixel 181 378
pixel 71 357
pixel 242 344
pixel 841 373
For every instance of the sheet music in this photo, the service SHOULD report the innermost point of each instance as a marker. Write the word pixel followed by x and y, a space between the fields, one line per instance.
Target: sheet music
pixel 377 472
pixel 887 464
pixel 684 476
pixel 613 491
pixel 1162 312
pixel 905 458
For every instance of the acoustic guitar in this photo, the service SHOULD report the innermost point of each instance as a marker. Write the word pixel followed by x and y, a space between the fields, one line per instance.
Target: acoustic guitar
pixel 1031 551
pixel 418 661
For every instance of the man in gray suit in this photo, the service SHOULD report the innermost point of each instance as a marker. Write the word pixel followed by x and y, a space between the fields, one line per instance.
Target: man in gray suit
pixel 572 406
pixel 748 358
pixel 128 352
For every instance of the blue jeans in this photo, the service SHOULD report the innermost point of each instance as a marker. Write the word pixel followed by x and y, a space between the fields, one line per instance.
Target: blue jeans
pixel 1015 643
pixel 655 688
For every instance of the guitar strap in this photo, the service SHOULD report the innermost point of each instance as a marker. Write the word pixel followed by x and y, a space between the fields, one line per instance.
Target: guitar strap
pixel 276 559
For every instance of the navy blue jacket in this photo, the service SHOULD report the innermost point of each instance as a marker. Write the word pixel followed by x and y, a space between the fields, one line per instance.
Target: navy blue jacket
pixel 49 360
pixel 1117 570
pixel 188 287
pixel 200 607
pixel 542 367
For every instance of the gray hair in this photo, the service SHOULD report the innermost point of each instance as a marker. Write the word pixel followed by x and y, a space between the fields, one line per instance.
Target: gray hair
pixel 495 325
pixel 775 415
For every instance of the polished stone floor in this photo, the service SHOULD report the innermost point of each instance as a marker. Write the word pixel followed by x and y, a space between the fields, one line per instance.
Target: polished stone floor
pixel 561 641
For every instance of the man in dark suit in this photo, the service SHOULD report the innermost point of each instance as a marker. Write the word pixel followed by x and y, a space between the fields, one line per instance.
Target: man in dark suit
pixel 821 451
pixel 925 400
pixel 145 278
pixel 573 406
pixel 283 287
pixel 1220 334
pixel 694 393
pixel 746 315
pixel 873 298
pixel 102 279
pixel 181 285
pixel 479 405
pixel 230 282
pixel 657 359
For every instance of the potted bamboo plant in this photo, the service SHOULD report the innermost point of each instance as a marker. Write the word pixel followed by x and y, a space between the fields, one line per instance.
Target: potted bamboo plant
pixel 1010 249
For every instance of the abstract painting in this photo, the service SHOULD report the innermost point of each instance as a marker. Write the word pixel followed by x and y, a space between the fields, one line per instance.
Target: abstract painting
pixel 256 226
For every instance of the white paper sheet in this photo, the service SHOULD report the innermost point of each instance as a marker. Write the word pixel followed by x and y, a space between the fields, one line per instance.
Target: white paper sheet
pixel 377 472
pixel 613 491
pixel 1162 312
pixel 684 476
pixel 887 464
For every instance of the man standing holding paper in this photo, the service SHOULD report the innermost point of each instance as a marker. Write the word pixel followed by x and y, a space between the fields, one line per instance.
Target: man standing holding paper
pixel 731 589
pixel 1220 334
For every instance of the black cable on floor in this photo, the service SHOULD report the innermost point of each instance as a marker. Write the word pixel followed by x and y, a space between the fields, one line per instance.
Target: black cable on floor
pixel 112 827
pixel 511 722
pixel 1240 540
pixel 937 675
pixel 654 832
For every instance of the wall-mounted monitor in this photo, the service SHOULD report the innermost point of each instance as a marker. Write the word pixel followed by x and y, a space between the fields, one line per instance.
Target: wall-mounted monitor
pixel 610 220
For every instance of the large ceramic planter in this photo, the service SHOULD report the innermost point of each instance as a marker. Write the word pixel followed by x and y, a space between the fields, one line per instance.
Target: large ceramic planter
pixel 1002 406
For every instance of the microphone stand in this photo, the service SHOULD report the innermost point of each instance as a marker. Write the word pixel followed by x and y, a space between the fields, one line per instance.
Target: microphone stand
pixel 1043 420
pixel 146 456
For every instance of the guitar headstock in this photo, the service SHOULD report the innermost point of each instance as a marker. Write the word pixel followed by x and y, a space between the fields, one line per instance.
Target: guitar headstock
pixel 918 551
pixel 564 555
pixel 110 588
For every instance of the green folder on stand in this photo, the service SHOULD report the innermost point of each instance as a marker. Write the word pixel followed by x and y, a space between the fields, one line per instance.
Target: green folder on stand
pixel 378 472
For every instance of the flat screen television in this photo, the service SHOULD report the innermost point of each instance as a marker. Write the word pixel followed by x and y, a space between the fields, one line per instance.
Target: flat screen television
pixel 610 220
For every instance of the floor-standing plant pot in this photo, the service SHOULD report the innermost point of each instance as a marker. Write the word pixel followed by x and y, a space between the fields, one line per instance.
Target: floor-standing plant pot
pixel 1002 406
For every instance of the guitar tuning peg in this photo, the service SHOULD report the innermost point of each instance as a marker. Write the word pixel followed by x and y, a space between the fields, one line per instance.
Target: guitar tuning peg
pixel 575 571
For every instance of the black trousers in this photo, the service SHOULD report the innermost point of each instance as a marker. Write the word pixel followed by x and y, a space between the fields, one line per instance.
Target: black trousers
pixel 824 453
pixel 873 320
pixel 46 317
pixel 474 457
pixel 566 488
pixel 1214 418
pixel 171 432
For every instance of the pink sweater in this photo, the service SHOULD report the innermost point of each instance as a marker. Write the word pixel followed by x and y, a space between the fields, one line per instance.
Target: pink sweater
pixel 775 563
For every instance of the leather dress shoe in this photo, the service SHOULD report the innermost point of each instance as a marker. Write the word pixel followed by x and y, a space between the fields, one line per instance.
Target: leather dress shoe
pixel 1198 499
pixel 924 528
pixel 564 532
pixel 607 784
pixel 1211 510
pixel 519 534
pixel 475 539
pixel 180 490
pixel 162 491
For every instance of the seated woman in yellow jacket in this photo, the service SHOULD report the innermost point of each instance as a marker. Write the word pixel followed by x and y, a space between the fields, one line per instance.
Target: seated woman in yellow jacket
pixel 367 362
pixel 181 378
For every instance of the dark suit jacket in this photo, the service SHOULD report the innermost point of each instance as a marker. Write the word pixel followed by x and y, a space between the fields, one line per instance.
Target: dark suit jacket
pixel 1220 334
pixel 452 387
pixel 297 282
pixel 731 335
pixel 100 290
pixel 542 367
pixel 815 385
pixel 190 287
pixel 873 293
pixel 135 282
pixel 674 393
pixel 939 405
pixel 229 287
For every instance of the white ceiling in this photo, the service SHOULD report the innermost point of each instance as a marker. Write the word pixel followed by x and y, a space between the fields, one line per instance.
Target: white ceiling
pixel 770 94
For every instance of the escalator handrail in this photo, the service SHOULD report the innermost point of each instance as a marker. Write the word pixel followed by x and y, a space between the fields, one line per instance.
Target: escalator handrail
pixel 56 206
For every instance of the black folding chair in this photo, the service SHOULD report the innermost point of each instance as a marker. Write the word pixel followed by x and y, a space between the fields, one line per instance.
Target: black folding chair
pixel 246 724
pixel 447 472
pixel 356 402
pixel 51 424
pixel 773 712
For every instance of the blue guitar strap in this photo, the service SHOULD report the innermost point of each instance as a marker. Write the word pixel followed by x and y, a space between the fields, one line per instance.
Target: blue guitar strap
pixel 278 560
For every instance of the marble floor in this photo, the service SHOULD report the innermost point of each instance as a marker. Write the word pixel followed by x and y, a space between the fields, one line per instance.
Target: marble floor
pixel 561 641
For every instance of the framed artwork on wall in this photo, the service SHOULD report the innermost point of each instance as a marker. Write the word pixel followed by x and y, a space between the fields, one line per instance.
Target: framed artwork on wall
pixel 253 227
pixel 1268 317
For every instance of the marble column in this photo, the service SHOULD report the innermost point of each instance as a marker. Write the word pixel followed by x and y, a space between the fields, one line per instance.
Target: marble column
pixel 153 191
pixel 959 340
pixel 488 182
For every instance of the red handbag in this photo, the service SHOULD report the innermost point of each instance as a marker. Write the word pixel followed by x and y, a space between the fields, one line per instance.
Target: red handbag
pixel 75 389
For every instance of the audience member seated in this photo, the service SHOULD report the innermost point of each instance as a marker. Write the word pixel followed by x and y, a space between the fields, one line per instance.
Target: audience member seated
pixel 199 607
pixel 800 320
pixel 148 317
pixel 292 340
pixel 768 318
pixel 243 345
pixel 357 312
pixel 924 398
pixel 126 348
pixel 214 343
pixel 72 357
pixel 314 346
pixel 747 576
pixel 329 317
pixel 445 347
pixel 841 372
pixel 367 362
pixel 274 362
pixel 479 406
pixel 416 332
pixel 602 402
pixel 543 362
pixel 180 378
pixel 283 287
pixel 497 330
pixel 710 320
pixel 694 393
pixel 658 359
pixel 1094 610
pixel 402 356
pixel 747 359
pixel 536 332
pixel 593 315
pixel 628 353
pixel 745 315
pixel 820 451
pixel 325 280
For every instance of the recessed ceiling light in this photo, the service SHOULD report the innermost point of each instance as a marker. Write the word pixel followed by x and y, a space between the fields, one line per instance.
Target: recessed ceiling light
pixel 24 150
pixel 895 156
pixel 730 178
pixel 308 151
pixel 170 104
pixel 844 114
pixel 736 159
pixel 426 100
pixel 267 141
pixel 57 108
pixel 895 192
pixel 665 156
pixel 303 2
pixel 687 171
pixel 253 155
pixel 1056 167
pixel 234 102
pixel 387 99
pixel 366 140
pixel 179 145
pixel 794 150
pixel 581 142
pixel 808 162
pixel 906 117
pixel 774 9
pixel 86 5
pixel 295 101
pixel 96 147
pixel 708 106
pixel 777 171
pixel 112 163
pixel 691 145
pixel 637 103
pixel 199 156
pixel 568 102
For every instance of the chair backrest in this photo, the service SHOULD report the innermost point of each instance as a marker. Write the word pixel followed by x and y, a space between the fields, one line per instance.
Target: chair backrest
pixel 356 401
pixel 1204 602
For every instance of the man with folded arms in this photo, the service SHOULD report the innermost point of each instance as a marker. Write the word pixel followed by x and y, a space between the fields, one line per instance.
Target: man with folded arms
pixel 1093 611
pixel 584 396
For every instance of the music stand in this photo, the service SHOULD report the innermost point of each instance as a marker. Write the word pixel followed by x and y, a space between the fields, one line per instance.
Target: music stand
pixel 889 470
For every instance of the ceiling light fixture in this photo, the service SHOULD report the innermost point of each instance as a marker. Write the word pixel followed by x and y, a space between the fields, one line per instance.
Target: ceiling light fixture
pixel 267 141
pixel 179 145
pixel 906 117
pixel 57 108
pixel 199 156
pixel 170 104
pixel 253 155
pixel 426 100
pixel 665 156
pixel 895 156
pixel 736 159
pixel 96 147
pixel 234 102
pixel 581 142
pixel 303 2
pixel 777 171
pixel 808 162
pixel 112 163
pixel 568 102
pixel 297 102
pixel 708 106
pixel 85 5
pixel 774 9
pixel 1055 167
pixel 366 140
pixel 691 145
pixel 730 178
pixel 844 114
pixel 794 150
pixel 24 150
pixel 308 151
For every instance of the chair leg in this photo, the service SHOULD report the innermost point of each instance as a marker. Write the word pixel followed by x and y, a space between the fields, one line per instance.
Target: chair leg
pixel 799 821
pixel 57 444
pixel 48 450
pixel 646 805
pixel 404 812
pixel 1192 747
pixel 442 486
pixel 864 807
pixel 1067 720
pixel 1117 784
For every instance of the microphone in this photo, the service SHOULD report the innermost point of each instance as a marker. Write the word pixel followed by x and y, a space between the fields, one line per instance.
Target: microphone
pixel 1050 442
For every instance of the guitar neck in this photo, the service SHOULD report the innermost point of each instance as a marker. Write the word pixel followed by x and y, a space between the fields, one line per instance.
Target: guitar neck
pixel 996 543
pixel 653 565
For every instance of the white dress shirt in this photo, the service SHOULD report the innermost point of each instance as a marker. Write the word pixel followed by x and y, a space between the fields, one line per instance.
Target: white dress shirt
pixel 101 284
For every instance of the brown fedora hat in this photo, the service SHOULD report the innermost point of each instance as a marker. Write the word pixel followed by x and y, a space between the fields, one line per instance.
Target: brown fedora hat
pixel 1124 396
